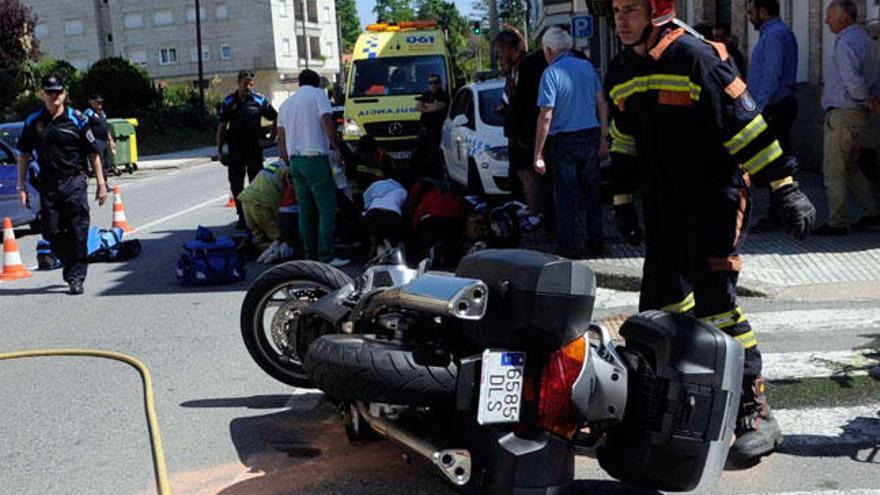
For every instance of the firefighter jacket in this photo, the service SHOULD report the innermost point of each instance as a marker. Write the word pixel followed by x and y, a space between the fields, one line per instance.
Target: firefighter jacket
pixel 684 127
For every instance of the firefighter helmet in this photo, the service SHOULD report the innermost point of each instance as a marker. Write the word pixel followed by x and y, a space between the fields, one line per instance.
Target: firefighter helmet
pixel 662 11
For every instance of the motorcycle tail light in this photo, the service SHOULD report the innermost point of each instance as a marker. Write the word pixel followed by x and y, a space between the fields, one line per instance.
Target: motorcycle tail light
pixel 556 411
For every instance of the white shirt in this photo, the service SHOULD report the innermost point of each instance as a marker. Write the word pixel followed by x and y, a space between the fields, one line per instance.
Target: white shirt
pixel 300 116
pixel 385 194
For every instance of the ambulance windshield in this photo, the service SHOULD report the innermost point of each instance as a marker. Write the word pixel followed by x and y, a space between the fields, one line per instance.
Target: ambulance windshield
pixel 395 75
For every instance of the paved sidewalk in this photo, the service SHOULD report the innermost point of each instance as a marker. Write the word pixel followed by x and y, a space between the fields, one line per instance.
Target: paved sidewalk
pixel 177 159
pixel 772 262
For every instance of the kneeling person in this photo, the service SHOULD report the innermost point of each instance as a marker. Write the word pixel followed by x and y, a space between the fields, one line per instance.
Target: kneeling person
pixel 260 202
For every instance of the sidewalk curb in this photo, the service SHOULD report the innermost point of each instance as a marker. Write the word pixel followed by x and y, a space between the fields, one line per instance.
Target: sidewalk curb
pixel 182 163
pixel 630 279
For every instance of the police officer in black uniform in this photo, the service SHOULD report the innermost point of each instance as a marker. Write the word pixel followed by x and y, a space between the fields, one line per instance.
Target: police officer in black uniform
pixel 98 121
pixel 63 139
pixel 433 104
pixel 240 128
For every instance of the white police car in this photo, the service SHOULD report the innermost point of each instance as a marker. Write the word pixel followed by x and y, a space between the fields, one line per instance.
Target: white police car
pixel 473 144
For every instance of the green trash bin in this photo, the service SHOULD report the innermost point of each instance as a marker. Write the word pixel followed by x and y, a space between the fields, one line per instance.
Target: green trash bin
pixel 123 132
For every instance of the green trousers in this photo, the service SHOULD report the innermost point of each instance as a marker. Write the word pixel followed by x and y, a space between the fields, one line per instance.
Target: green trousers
pixel 316 194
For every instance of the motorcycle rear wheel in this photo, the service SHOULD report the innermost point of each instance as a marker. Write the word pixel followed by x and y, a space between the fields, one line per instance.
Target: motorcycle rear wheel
pixel 364 368
pixel 289 288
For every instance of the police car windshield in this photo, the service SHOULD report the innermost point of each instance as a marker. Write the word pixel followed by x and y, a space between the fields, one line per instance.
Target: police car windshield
pixel 395 75
pixel 11 132
pixel 490 102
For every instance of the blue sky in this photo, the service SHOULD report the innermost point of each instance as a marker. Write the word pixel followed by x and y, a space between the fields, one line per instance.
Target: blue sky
pixel 365 10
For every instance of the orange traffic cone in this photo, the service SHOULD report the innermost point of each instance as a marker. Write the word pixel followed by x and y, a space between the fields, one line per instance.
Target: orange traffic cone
pixel 119 213
pixel 231 202
pixel 12 265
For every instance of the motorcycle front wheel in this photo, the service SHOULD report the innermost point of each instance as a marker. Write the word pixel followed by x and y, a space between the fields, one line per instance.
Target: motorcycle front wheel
pixel 270 312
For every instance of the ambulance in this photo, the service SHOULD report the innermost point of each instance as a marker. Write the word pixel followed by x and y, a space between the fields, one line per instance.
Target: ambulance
pixel 390 68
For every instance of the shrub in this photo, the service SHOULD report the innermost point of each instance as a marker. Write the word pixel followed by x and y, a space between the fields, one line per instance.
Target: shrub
pixel 127 90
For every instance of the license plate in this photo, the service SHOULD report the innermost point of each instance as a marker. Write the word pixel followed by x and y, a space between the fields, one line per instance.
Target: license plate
pixel 400 155
pixel 501 383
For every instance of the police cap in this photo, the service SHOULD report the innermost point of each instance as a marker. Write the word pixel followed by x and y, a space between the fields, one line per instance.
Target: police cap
pixel 245 74
pixel 52 82
pixel 96 97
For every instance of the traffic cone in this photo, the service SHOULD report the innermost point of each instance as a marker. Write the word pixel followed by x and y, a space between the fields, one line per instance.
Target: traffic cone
pixel 119 213
pixel 231 202
pixel 12 266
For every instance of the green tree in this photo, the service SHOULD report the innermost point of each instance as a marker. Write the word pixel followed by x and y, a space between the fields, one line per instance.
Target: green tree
pixel 393 10
pixel 127 90
pixel 512 13
pixel 450 20
pixel 349 23
pixel 18 48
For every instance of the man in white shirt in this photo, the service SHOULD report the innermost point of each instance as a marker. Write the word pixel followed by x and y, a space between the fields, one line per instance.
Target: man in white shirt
pixel 306 135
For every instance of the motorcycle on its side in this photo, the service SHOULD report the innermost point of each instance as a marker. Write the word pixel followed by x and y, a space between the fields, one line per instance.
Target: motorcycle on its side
pixel 495 374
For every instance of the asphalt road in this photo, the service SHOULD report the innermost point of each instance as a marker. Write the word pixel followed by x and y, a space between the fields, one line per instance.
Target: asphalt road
pixel 75 425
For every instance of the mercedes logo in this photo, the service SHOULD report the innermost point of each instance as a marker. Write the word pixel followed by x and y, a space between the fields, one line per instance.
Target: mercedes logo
pixel 395 129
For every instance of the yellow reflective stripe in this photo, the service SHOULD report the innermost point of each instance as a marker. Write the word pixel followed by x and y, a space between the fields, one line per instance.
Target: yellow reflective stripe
pixel 726 319
pixel 683 306
pixel 764 158
pixel 622 199
pixel 748 134
pixel 623 148
pixel 748 339
pixel 619 136
pixel 667 82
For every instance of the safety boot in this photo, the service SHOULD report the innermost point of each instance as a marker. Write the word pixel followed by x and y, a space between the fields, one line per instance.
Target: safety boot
pixel 757 432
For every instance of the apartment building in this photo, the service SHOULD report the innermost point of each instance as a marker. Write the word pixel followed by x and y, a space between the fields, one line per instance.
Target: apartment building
pixel 274 38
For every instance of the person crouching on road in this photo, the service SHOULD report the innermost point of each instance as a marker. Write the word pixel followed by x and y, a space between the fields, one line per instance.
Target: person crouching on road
pixel 690 138
pixel 63 140
pixel 241 115
pixel 384 201
pixel 572 131
pixel 306 135
pixel 260 204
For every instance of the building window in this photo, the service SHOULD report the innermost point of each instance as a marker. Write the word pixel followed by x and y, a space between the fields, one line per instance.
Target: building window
pixel 312 7
pixel 163 18
pixel 133 21
pixel 225 52
pixel 285 47
pixel 191 14
pixel 328 49
pixel 222 11
pixel 326 14
pixel 74 28
pixel 301 47
pixel 194 54
pixel 109 37
pixel 282 8
pixel 168 56
pixel 41 31
pixel 314 47
pixel 138 57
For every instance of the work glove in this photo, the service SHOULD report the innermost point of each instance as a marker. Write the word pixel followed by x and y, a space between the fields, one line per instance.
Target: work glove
pixel 793 209
pixel 628 223
pixel 285 251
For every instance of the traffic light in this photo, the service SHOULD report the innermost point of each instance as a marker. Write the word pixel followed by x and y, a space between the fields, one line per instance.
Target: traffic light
pixel 477 28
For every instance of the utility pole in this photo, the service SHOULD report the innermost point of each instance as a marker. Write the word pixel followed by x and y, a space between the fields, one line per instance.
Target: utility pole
pixel 493 31
pixel 199 48
pixel 305 37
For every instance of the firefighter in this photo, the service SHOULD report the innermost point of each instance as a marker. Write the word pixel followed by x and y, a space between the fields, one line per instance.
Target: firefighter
pixel 688 135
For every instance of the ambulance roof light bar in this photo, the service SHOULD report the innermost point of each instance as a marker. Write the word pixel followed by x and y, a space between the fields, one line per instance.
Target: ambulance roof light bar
pixel 401 26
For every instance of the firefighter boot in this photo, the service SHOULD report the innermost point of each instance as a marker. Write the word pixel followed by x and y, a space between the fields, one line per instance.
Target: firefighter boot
pixel 757 432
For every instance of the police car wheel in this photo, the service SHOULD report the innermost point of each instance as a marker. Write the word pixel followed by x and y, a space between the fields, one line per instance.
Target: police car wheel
pixel 270 316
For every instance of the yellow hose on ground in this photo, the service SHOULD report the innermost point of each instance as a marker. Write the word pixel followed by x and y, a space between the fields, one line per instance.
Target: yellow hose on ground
pixel 152 422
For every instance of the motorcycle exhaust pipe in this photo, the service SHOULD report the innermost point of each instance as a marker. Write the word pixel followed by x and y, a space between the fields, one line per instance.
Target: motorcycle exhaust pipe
pixel 441 295
pixel 454 464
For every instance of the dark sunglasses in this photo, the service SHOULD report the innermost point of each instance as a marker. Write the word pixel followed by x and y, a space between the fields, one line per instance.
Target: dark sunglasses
pixel 54 91
pixel 434 82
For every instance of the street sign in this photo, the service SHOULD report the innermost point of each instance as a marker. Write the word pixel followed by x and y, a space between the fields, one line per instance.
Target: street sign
pixel 582 27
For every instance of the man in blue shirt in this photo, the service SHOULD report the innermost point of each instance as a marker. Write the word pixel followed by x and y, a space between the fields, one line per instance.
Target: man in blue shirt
pixel 571 131
pixel 851 82
pixel 772 78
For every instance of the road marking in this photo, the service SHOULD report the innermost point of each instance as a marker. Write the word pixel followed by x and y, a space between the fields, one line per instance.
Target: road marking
pixel 209 202
pixel 814 320
pixel 818 364
pixel 865 491
pixel 830 426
